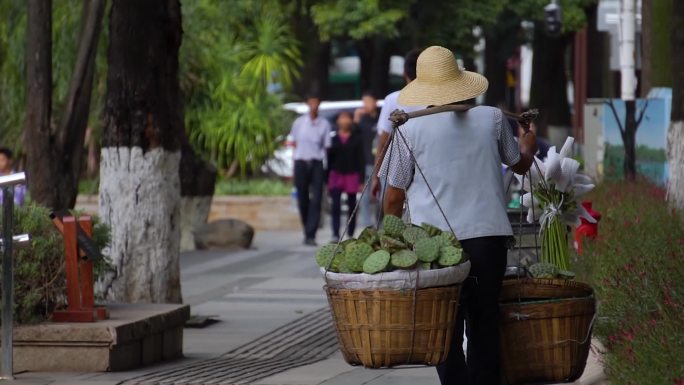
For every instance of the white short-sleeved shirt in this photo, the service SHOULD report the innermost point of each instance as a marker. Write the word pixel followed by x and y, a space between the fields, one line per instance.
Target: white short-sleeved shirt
pixel 388 106
pixel 311 137
pixel 460 155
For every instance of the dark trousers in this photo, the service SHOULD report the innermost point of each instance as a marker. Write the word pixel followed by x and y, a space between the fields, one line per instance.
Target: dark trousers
pixel 479 310
pixel 336 212
pixel 308 179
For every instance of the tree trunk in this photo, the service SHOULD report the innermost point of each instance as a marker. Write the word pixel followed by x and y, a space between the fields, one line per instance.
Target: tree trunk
pixel 661 49
pixel 139 174
pixel 54 177
pixel 646 41
pixel 599 75
pixel 41 154
pixel 379 81
pixel 315 54
pixel 197 181
pixel 629 140
pixel 675 137
pixel 495 69
pixel 548 91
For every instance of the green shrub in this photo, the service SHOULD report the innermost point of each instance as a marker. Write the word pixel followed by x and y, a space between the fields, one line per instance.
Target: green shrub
pixel 636 267
pixel 39 280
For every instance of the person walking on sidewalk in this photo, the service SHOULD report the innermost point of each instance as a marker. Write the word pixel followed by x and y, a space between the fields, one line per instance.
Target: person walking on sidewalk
pixel 366 119
pixel 311 136
pixel 384 127
pixel 6 168
pixel 346 172
pixel 460 154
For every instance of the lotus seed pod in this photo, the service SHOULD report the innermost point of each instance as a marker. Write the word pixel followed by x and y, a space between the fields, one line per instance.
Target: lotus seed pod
pixel 427 249
pixel 344 267
pixel 413 234
pixel 433 231
pixel 369 235
pixel 543 270
pixel 356 254
pixel 376 262
pixel 450 256
pixel 391 245
pixel 393 225
pixel 326 253
pixel 442 241
pixel 404 259
pixel 451 238
pixel 566 274
pixel 425 265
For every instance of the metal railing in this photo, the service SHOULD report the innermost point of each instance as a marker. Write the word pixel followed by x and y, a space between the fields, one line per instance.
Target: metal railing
pixel 7 184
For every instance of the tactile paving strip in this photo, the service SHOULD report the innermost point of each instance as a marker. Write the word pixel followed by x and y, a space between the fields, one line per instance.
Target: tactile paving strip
pixel 303 341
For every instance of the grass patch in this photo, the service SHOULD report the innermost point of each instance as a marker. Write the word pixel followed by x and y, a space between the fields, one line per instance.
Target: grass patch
pixel 636 267
pixel 232 186
pixel 264 187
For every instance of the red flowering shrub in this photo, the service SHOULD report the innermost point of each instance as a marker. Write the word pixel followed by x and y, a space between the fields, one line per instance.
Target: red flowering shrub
pixel 636 266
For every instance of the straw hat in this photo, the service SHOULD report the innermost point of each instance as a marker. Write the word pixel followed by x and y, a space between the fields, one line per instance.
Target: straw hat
pixel 439 80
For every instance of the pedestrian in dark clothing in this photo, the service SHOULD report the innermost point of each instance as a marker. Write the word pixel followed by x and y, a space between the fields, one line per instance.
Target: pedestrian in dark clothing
pixel 346 172
pixel 311 136
pixel 366 119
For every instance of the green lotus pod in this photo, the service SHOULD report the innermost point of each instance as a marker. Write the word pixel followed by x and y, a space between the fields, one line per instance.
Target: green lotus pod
pixel 344 267
pixel 543 270
pixel 393 225
pixel 413 233
pixel 370 236
pixel 425 265
pixel 566 274
pixel 427 249
pixel 404 259
pixel 433 231
pixel 356 254
pixel 376 262
pixel 326 253
pixel 391 245
pixel 450 238
pixel 450 256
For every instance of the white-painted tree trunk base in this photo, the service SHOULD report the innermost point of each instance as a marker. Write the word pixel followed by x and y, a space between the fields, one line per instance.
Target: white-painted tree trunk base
pixel 140 200
pixel 194 213
pixel 675 156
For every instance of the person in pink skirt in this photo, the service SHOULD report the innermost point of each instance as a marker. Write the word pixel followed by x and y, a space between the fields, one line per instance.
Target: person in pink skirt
pixel 345 172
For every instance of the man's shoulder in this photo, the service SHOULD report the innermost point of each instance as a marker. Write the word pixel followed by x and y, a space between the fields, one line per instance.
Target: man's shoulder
pixel 298 120
pixel 486 110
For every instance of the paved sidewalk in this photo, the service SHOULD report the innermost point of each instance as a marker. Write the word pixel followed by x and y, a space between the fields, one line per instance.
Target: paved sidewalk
pixel 252 292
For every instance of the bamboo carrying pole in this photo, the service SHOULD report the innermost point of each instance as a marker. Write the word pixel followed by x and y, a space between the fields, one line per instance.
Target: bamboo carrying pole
pixel 399 117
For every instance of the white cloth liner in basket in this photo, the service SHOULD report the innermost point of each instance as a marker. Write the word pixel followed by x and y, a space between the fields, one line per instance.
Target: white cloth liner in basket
pixel 399 279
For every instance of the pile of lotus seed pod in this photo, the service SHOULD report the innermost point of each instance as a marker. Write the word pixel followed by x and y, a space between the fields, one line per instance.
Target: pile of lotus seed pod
pixel 398 246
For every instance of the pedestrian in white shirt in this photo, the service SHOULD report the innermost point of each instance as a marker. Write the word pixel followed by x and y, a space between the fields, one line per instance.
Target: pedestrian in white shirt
pixel 311 136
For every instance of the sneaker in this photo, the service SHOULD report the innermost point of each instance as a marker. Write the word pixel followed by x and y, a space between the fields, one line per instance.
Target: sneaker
pixel 335 239
pixel 310 242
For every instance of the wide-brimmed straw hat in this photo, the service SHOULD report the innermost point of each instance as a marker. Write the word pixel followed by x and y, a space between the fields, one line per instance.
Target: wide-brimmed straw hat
pixel 439 80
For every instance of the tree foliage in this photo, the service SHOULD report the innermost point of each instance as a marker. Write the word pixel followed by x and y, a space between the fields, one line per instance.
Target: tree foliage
pixel 358 19
pixel 65 34
pixel 574 16
pixel 227 71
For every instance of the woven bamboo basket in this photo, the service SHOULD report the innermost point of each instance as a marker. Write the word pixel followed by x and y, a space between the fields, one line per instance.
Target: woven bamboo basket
pixel 386 328
pixel 545 337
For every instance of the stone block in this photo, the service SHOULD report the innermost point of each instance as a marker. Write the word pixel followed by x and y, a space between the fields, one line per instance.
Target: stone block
pixel 134 336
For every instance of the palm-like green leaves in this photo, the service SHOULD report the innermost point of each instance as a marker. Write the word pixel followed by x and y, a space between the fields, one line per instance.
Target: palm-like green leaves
pixel 270 53
pixel 226 72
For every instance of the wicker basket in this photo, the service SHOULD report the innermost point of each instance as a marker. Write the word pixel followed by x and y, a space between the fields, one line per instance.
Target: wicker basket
pixel 379 328
pixel 545 339
pixel 529 289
